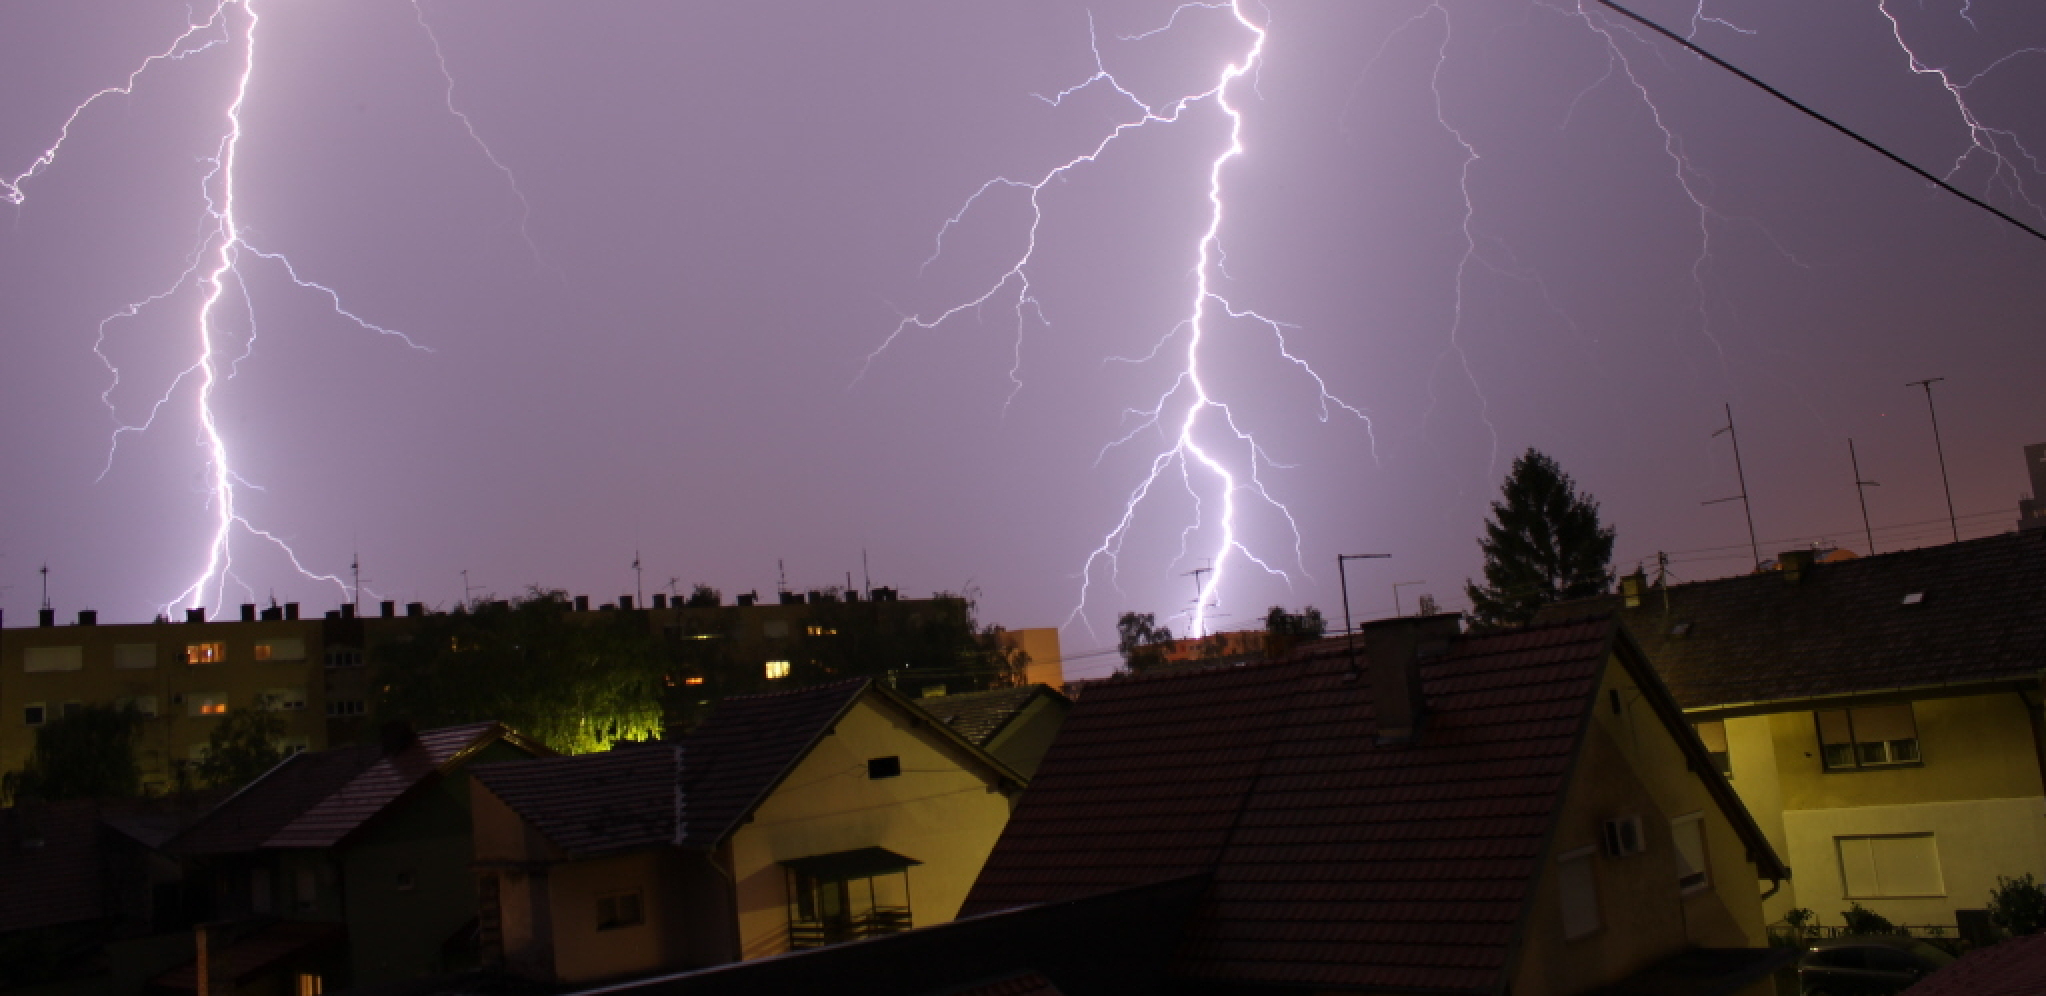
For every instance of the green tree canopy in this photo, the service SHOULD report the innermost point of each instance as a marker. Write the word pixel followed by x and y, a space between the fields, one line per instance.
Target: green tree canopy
pixel 1285 630
pixel 89 752
pixel 247 743
pixel 1544 544
pixel 1141 641
pixel 575 681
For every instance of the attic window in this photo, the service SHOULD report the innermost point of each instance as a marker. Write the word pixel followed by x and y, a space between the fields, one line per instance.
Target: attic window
pixel 884 767
pixel 1914 598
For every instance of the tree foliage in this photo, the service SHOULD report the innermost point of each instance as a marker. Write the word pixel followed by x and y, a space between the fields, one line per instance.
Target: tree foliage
pixel 1544 544
pixel 576 681
pixel 246 743
pixel 89 752
pixel 1285 630
pixel 1141 641
pixel 2018 905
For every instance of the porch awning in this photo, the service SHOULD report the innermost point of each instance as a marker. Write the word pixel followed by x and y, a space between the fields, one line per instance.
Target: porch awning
pixel 843 866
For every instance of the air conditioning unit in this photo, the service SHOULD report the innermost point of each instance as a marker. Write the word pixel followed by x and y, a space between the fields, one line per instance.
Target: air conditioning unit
pixel 1623 837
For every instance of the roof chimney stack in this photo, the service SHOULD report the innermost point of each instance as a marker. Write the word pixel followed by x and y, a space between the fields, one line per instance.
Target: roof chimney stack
pixel 291 611
pixel 88 617
pixel 1393 651
pixel 1794 564
pixel 195 615
pixel 46 618
pixel 248 612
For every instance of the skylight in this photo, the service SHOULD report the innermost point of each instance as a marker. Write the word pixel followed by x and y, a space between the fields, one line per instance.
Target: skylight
pixel 1914 598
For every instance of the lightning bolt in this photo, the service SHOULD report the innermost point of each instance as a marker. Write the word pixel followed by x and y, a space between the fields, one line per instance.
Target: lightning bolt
pixel 1216 460
pixel 224 321
pixel 2008 160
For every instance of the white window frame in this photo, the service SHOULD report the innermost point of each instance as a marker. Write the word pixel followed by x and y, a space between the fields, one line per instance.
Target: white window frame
pixel 1685 873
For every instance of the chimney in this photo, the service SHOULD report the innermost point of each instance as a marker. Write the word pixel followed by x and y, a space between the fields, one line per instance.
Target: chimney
pixel 625 602
pixel 414 610
pixel 88 617
pixel 660 600
pixel 195 615
pixel 387 609
pixel 1631 587
pixel 1794 564
pixel 396 735
pixel 272 613
pixel 347 610
pixel 46 618
pixel 1393 652
pixel 582 603
pixel 291 611
pixel 747 600
pixel 248 612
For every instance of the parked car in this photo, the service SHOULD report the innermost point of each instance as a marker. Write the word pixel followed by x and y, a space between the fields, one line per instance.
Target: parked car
pixel 1867 966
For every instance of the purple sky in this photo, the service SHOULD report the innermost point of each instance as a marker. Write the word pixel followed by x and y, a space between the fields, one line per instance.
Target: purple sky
pixel 1467 215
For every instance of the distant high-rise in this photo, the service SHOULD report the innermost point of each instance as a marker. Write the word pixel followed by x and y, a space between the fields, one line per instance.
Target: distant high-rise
pixel 2032 511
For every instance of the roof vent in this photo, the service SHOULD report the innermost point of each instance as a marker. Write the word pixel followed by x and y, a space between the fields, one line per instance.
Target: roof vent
pixel 1794 564
pixel 1914 598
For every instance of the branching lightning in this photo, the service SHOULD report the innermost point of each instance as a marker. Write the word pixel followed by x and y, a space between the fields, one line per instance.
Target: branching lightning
pixel 2009 161
pixel 1218 461
pixel 219 275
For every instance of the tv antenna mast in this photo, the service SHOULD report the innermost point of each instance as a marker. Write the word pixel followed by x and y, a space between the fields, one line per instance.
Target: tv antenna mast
pixel 1740 475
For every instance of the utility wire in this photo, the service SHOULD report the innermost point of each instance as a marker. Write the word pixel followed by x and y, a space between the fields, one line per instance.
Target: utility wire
pixel 1821 118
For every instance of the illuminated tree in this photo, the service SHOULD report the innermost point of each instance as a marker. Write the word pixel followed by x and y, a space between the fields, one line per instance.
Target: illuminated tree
pixel 1544 544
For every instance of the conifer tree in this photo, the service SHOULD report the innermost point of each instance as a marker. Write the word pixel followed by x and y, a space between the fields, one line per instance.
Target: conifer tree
pixel 1544 544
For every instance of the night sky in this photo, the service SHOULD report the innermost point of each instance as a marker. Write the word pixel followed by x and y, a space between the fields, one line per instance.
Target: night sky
pixel 642 308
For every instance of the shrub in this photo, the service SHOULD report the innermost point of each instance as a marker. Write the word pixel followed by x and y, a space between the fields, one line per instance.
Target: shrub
pixel 2018 905
pixel 1862 920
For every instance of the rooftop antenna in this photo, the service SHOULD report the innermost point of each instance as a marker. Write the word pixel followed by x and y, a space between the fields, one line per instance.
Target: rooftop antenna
pixel 674 590
pixel 355 590
pixel 638 586
pixel 45 572
pixel 468 593
pixel 782 570
pixel 1396 586
pixel 1927 383
pixel 1349 628
pixel 1861 492
pixel 866 580
pixel 1740 475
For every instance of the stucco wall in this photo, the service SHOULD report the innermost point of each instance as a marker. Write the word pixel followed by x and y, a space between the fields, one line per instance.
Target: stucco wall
pixel 1975 840
pixel 942 810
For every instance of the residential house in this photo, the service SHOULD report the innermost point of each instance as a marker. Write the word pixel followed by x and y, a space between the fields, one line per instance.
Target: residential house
pixel 785 820
pixel 1879 716
pixel 347 867
pixel 1427 812
pixel 1016 724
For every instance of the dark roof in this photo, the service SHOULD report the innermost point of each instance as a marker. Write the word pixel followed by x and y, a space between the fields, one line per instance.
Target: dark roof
pixel 344 811
pixel 980 716
pixel 692 795
pixel 1702 972
pixel 745 747
pixel 1110 944
pixel 1336 862
pixel 1843 628
pixel 592 804
pixel 50 860
pixel 243 959
pixel 2013 968
pixel 253 815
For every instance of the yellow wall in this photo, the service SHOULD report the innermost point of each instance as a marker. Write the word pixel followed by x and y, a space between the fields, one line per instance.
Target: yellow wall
pixel 943 810
pixel 171 736
pixel 1631 765
pixel 582 953
pixel 1042 644
pixel 1978 792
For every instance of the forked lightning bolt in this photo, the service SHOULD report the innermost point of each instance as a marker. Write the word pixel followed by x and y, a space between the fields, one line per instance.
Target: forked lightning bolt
pixel 2011 165
pixel 1217 460
pixel 224 326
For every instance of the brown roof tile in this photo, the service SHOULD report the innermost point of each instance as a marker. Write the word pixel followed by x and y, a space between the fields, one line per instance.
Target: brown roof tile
pixel 1334 862
pixel 2016 967
pixel 979 716
pixel 253 815
pixel 593 803
pixel 745 747
pixel 50 862
pixel 1844 628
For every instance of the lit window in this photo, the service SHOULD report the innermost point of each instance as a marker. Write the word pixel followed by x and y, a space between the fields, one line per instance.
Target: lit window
pixel 1579 893
pixel 822 631
pixel 1872 737
pixel 619 909
pixel 310 984
pixel 205 653
pixel 53 658
pixel 1891 867
pixel 292 649
pixel 694 679
pixel 1689 832
pixel 205 704
pixel 1713 733
pixel 35 713
pixel 777 670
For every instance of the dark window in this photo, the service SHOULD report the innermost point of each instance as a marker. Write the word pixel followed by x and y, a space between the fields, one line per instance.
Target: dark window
pixel 1868 737
pixel 35 715
pixel 619 909
pixel 884 767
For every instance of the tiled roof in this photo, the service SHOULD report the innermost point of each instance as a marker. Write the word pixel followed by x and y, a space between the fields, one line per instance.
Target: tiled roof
pixel 978 716
pixel 50 862
pixel 333 818
pixel 637 796
pixel 594 803
pixel 263 807
pixel 2016 967
pixel 1335 862
pixel 745 747
pixel 1844 627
